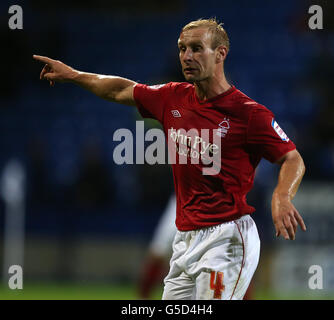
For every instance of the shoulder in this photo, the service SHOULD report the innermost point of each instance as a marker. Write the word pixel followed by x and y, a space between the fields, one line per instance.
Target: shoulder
pixel 178 90
pixel 181 87
pixel 167 85
pixel 175 87
pixel 250 106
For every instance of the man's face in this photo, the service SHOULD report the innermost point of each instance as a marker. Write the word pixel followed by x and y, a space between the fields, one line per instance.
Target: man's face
pixel 198 59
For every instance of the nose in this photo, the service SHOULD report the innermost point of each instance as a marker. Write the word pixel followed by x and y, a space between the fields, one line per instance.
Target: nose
pixel 187 55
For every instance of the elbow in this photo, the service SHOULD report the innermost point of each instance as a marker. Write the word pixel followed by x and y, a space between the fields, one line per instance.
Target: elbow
pixel 303 168
pixel 294 158
pixel 300 164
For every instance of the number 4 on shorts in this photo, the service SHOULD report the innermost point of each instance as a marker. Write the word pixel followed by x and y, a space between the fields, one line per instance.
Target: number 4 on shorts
pixel 216 284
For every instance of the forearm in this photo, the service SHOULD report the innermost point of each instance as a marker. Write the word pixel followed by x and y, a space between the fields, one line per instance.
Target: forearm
pixel 111 88
pixel 286 218
pixel 290 176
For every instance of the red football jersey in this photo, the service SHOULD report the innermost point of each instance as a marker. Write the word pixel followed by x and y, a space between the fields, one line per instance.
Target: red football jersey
pixel 247 132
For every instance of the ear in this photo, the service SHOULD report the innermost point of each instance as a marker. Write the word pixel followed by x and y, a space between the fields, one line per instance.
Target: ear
pixel 221 54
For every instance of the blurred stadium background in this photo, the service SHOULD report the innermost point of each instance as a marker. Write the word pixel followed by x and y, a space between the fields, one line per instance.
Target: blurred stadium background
pixel 87 221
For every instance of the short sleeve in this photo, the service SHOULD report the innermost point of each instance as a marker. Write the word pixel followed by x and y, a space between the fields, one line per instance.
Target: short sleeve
pixel 265 137
pixel 151 100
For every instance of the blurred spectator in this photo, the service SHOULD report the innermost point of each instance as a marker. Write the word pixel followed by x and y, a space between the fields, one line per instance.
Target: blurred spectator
pixel 93 188
pixel 39 186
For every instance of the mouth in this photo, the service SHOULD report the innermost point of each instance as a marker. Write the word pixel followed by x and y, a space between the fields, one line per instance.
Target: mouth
pixel 189 70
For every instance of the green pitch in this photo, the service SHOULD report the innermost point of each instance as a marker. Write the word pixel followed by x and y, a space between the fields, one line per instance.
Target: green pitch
pixel 73 292
pixel 118 292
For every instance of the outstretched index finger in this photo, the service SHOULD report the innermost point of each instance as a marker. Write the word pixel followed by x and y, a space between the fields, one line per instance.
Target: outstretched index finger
pixel 43 59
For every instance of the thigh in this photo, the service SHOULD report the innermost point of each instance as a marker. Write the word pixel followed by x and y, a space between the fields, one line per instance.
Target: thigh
pixel 219 276
pixel 212 285
pixel 251 240
pixel 228 266
pixel 180 287
pixel 178 284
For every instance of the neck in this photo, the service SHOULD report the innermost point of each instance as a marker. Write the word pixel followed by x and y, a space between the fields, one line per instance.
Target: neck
pixel 211 87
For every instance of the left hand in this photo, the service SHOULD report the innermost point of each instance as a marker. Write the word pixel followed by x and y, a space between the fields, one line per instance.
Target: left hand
pixel 285 217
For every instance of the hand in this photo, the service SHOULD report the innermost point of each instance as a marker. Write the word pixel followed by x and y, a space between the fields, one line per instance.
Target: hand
pixel 285 217
pixel 55 70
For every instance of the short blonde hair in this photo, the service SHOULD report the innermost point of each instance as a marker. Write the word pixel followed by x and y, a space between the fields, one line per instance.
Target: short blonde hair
pixel 219 35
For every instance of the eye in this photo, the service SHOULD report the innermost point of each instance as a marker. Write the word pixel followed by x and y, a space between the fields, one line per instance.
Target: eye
pixel 197 48
pixel 182 49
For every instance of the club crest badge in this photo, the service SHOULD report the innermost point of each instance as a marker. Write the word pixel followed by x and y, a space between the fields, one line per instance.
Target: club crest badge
pixel 224 126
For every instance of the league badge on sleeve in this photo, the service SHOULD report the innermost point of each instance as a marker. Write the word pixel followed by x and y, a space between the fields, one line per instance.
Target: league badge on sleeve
pixel 279 131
